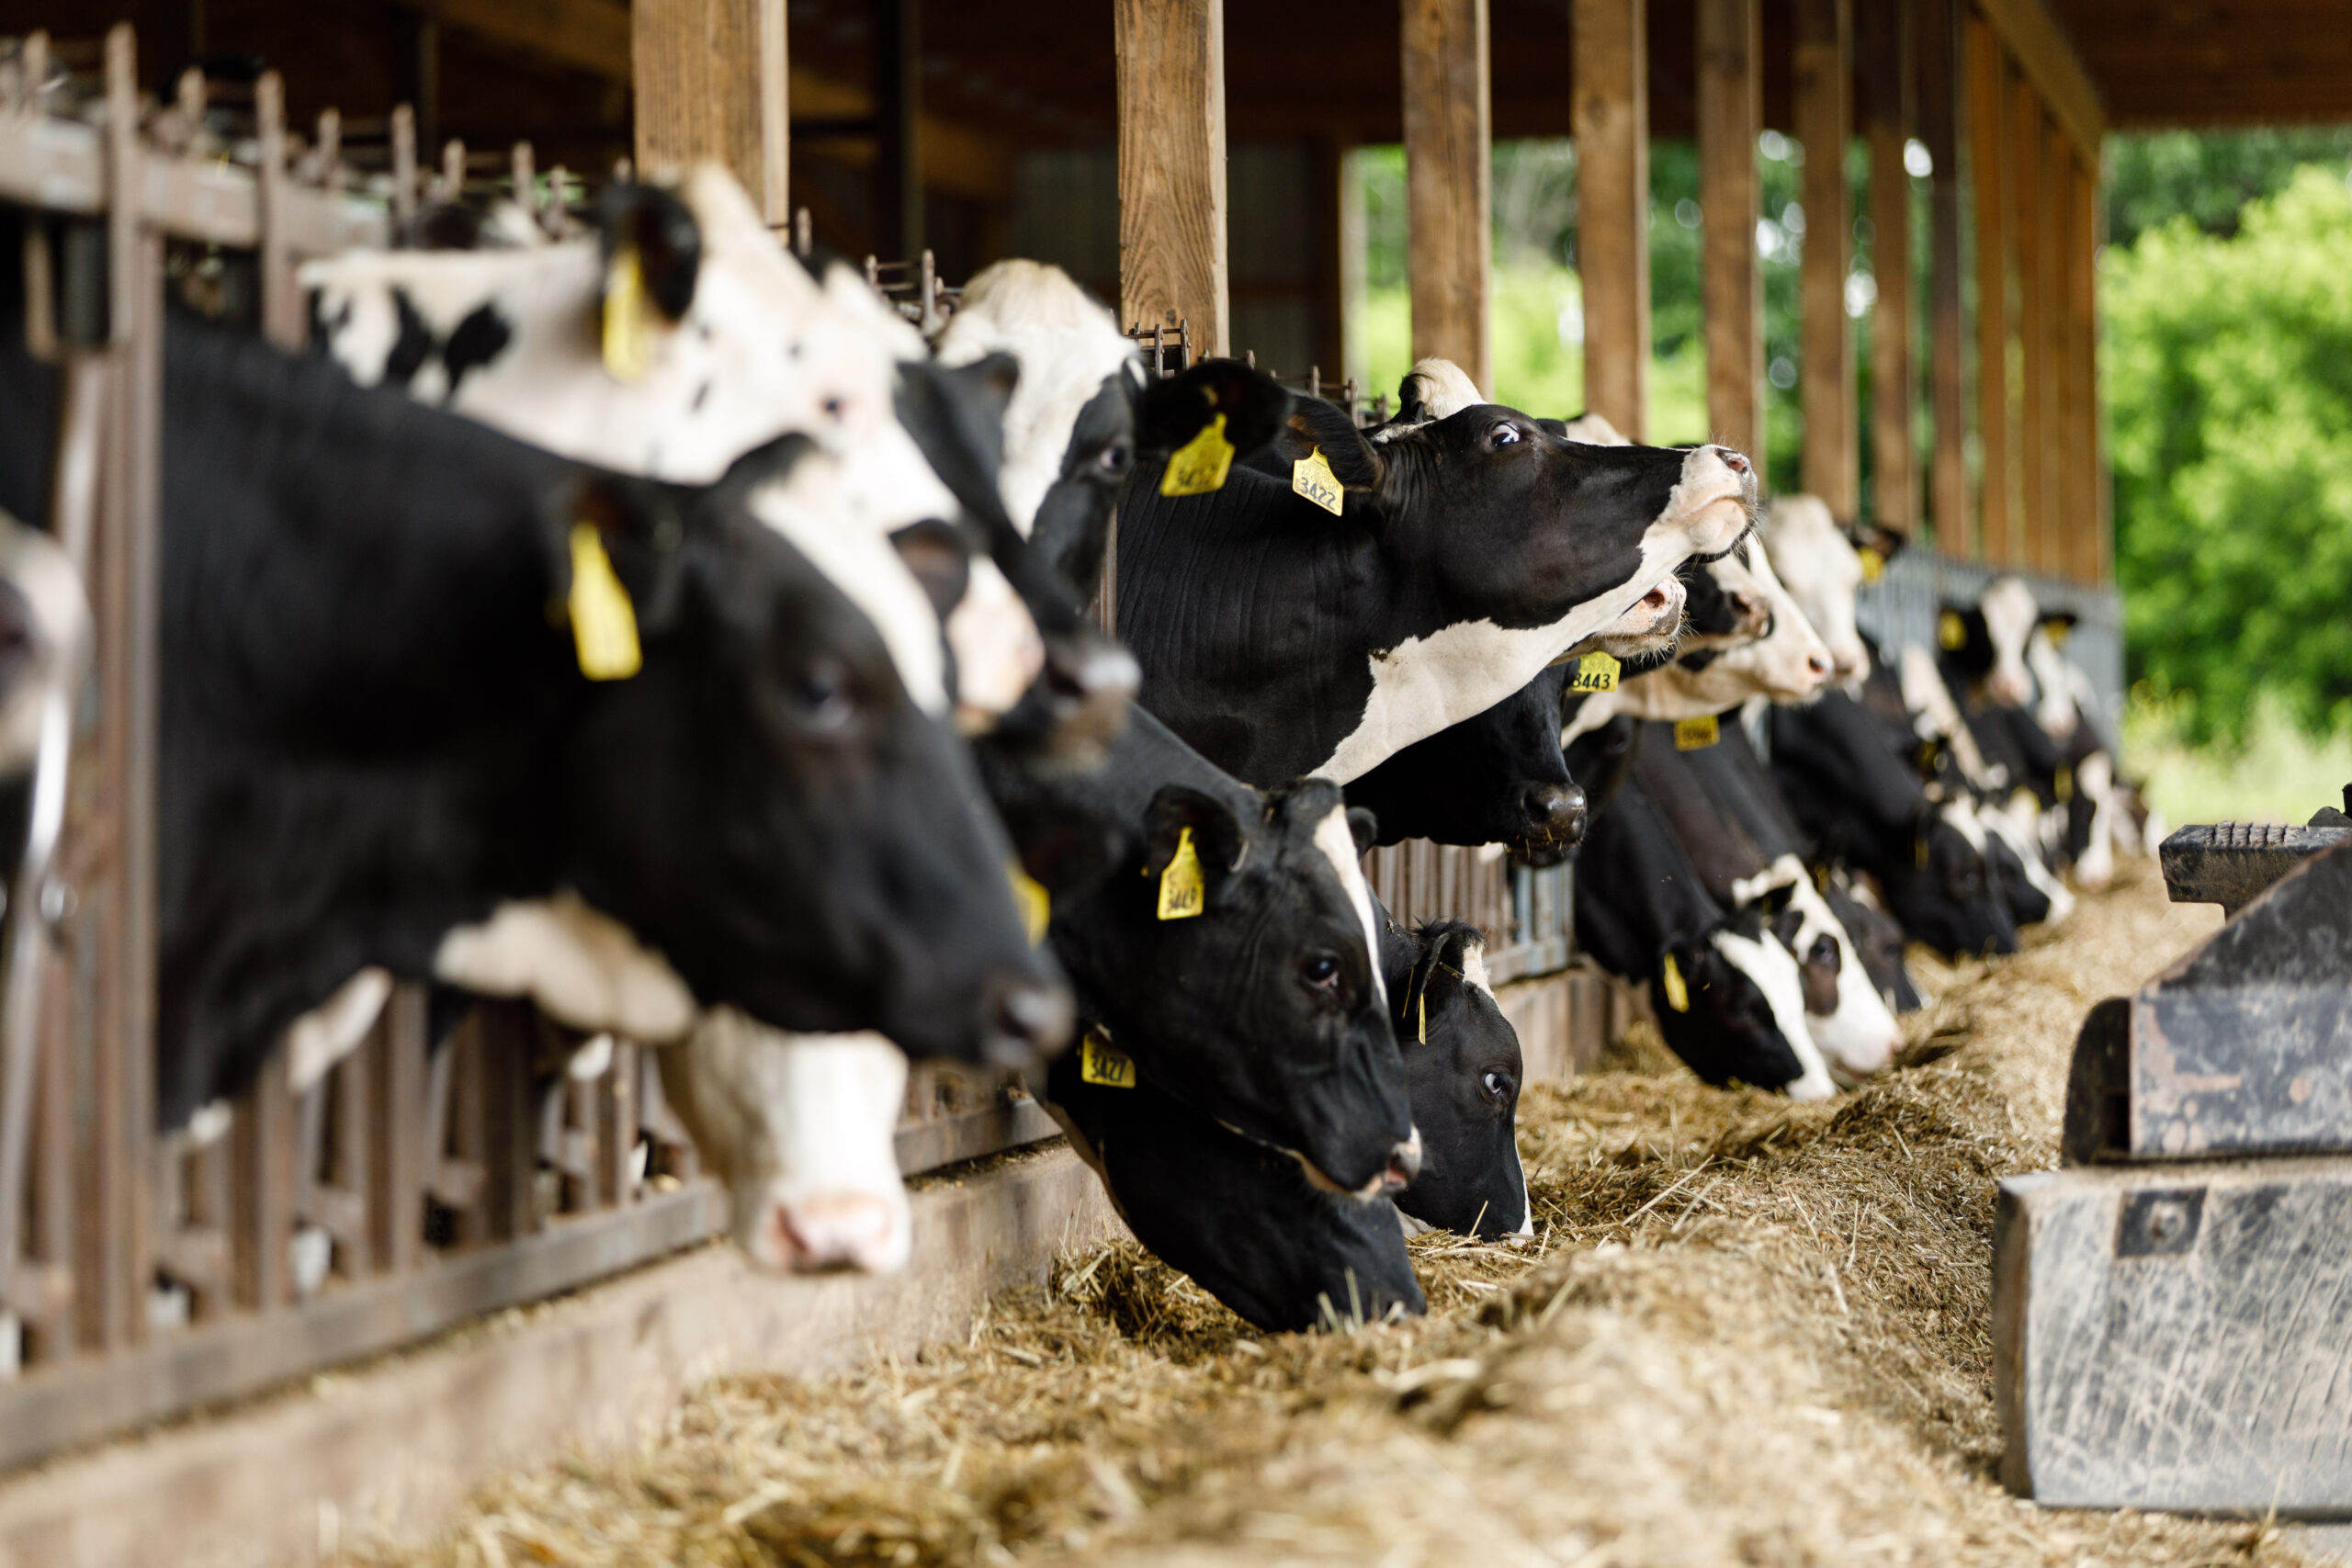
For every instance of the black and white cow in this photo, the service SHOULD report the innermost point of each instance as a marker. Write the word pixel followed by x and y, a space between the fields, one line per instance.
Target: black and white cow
pixel 1463 1071
pixel 377 750
pixel 1823 565
pixel 1497 778
pixel 1471 552
pixel 1729 1000
pixel 1267 1008
pixel 1244 1220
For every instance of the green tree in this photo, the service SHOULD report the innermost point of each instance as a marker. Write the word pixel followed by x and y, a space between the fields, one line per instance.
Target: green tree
pixel 2208 176
pixel 2229 375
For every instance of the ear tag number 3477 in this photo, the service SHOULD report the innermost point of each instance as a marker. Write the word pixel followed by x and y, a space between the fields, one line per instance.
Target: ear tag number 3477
pixel 1200 464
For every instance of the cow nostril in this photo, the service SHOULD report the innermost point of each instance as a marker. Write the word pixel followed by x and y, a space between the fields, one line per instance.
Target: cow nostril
pixel 1029 1020
pixel 1556 812
pixel 1818 664
pixel 1735 461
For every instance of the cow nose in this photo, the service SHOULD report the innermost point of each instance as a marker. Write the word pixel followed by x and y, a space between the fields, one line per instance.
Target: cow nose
pixel 1556 812
pixel 1736 462
pixel 1092 682
pixel 1028 1020
pixel 836 1230
pixel 1404 1163
pixel 1819 665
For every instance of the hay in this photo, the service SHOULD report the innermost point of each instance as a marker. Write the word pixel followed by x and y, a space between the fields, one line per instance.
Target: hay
pixel 1749 1332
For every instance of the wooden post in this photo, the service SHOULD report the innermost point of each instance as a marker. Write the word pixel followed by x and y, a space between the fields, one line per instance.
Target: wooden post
pixel 894 43
pixel 1339 258
pixel 1172 168
pixel 1940 67
pixel 1611 122
pixel 1888 114
pixel 1730 116
pixel 1989 146
pixel 710 85
pixel 2025 223
pixel 2086 455
pixel 1825 373
pixel 2060 394
pixel 1448 181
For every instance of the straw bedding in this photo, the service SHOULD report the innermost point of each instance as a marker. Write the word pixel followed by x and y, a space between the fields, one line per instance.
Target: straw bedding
pixel 1748 1333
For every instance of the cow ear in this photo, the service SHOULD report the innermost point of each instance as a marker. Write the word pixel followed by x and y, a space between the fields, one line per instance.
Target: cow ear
pixel 941 561
pixel 1179 814
pixel 955 414
pixel 1364 828
pixel 659 229
pixel 1175 408
pixel 2059 624
pixel 1866 536
pixel 1316 425
pixel 615 568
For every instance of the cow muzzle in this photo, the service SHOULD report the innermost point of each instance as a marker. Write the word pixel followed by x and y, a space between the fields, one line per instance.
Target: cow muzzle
pixel 1555 814
pixel 828 1231
pixel 1715 502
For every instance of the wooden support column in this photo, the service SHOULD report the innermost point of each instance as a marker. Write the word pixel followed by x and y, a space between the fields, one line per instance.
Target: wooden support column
pixel 1939 89
pixel 2092 558
pixel 2059 523
pixel 1172 168
pixel 1448 181
pixel 710 84
pixel 1824 53
pixel 1610 122
pixel 1338 257
pixel 1730 116
pixel 1988 147
pixel 894 44
pixel 1887 111
pixel 2030 529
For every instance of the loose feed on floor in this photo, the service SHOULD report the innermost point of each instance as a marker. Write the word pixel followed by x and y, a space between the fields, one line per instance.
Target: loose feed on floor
pixel 1746 1332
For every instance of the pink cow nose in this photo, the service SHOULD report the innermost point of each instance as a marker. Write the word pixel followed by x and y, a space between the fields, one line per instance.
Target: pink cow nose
pixel 1817 665
pixel 1736 462
pixel 833 1230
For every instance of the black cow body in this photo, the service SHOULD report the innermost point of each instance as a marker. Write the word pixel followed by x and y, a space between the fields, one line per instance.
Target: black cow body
pixel 1280 640
pixel 1462 1067
pixel 372 734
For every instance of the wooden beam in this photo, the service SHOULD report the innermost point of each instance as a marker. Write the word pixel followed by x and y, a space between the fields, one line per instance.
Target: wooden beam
pixel 1448 178
pixel 1825 73
pixel 1338 256
pixel 589 35
pixel 2030 529
pixel 2042 53
pixel 1887 119
pixel 1939 91
pixel 2087 453
pixel 894 44
pixel 1989 174
pixel 710 79
pixel 1171 168
pixel 2058 525
pixel 1730 116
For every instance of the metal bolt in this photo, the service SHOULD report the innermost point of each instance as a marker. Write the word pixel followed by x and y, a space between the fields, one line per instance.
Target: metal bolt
pixel 2168 1220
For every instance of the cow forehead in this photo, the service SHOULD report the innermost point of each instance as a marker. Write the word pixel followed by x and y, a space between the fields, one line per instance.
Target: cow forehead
pixel 2009 613
pixel 1338 842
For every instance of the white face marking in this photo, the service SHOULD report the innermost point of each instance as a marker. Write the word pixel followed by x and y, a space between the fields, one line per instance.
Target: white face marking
pixel 1823 573
pixel 802 1129
pixel 59 637
pixel 2009 613
pixel 998 651
pixel 332 1031
pixel 1068 346
pixel 1473 968
pixel 2094 778
pixel 2055 711
pixel 1339 846
pixel 583 968
pixel 1860 1036
pixel 1935 716
pixel 2019 835
pixel 1594 431
pixel 1775 972
pixel 805 507
pixel 1442 388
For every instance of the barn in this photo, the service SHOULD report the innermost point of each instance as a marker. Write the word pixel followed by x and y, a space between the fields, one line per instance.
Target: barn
pixel 546 621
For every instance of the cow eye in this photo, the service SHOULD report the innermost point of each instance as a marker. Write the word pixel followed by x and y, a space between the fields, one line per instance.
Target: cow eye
pixel 1496 1084
pixel 1321 971
pixel 1503 434
pixel 821 698
pixel 1115 459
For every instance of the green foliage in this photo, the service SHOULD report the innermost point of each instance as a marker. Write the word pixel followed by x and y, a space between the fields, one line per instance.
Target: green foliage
pixel 2208 176
pixel 2229 372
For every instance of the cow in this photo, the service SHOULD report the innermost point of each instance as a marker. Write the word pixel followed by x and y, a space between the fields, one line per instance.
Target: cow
pixel 1244 1220
pixel 378 748
pixel 800 1128
pixel 1729 1000
pixel 1497 778
pixel 1469 553
pixel 1225 937
pixel 1463 1072
pixel 1823 565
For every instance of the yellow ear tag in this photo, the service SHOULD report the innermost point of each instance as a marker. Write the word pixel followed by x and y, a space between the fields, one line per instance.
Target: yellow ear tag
pixel 2064 787
pixel 1919 850
pixel 1696 734
pixel 1312 477
pixel 603 623
pixel 1423 1032
pixel 1183 892
pixel 628 318
pixel 1678 996
pixel 1873 564
pixel 2056 631
pixel 1951 631
pixel 1595 672
pixel 1200 464
pixel 1101 1062
pixel 1035 904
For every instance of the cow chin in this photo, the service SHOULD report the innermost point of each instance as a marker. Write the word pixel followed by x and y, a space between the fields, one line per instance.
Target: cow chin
pixel 828 1232
pixel 1404 1164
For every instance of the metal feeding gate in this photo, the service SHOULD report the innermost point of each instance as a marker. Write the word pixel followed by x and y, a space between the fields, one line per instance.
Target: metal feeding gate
pixel 405 1190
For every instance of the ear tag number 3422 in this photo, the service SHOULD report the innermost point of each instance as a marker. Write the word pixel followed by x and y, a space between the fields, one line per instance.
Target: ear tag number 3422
pixel 1312 477
pixel 1200 464
pixel 1182 893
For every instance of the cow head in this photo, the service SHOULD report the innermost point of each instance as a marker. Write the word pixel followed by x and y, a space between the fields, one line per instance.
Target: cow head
pixel 1787 663
pixel 1878 944
pixel 1463 1070
pixel 1265 1010
pixel 1824 569
pixel 1983 644
pixel 1498 778
pixel 801 1129
pixel 1722 1022
pixel 1844 1013
pixel 1947 892
pixel 859 881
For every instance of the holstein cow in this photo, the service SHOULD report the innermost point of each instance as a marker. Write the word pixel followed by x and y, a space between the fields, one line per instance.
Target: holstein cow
pixel 1824 566
pixel 1244 1220
pixel 1224 937
pixel 379 750
pixel 1468 553
pixel 1717 809
pixel 1463 1071
pixel 1498 778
